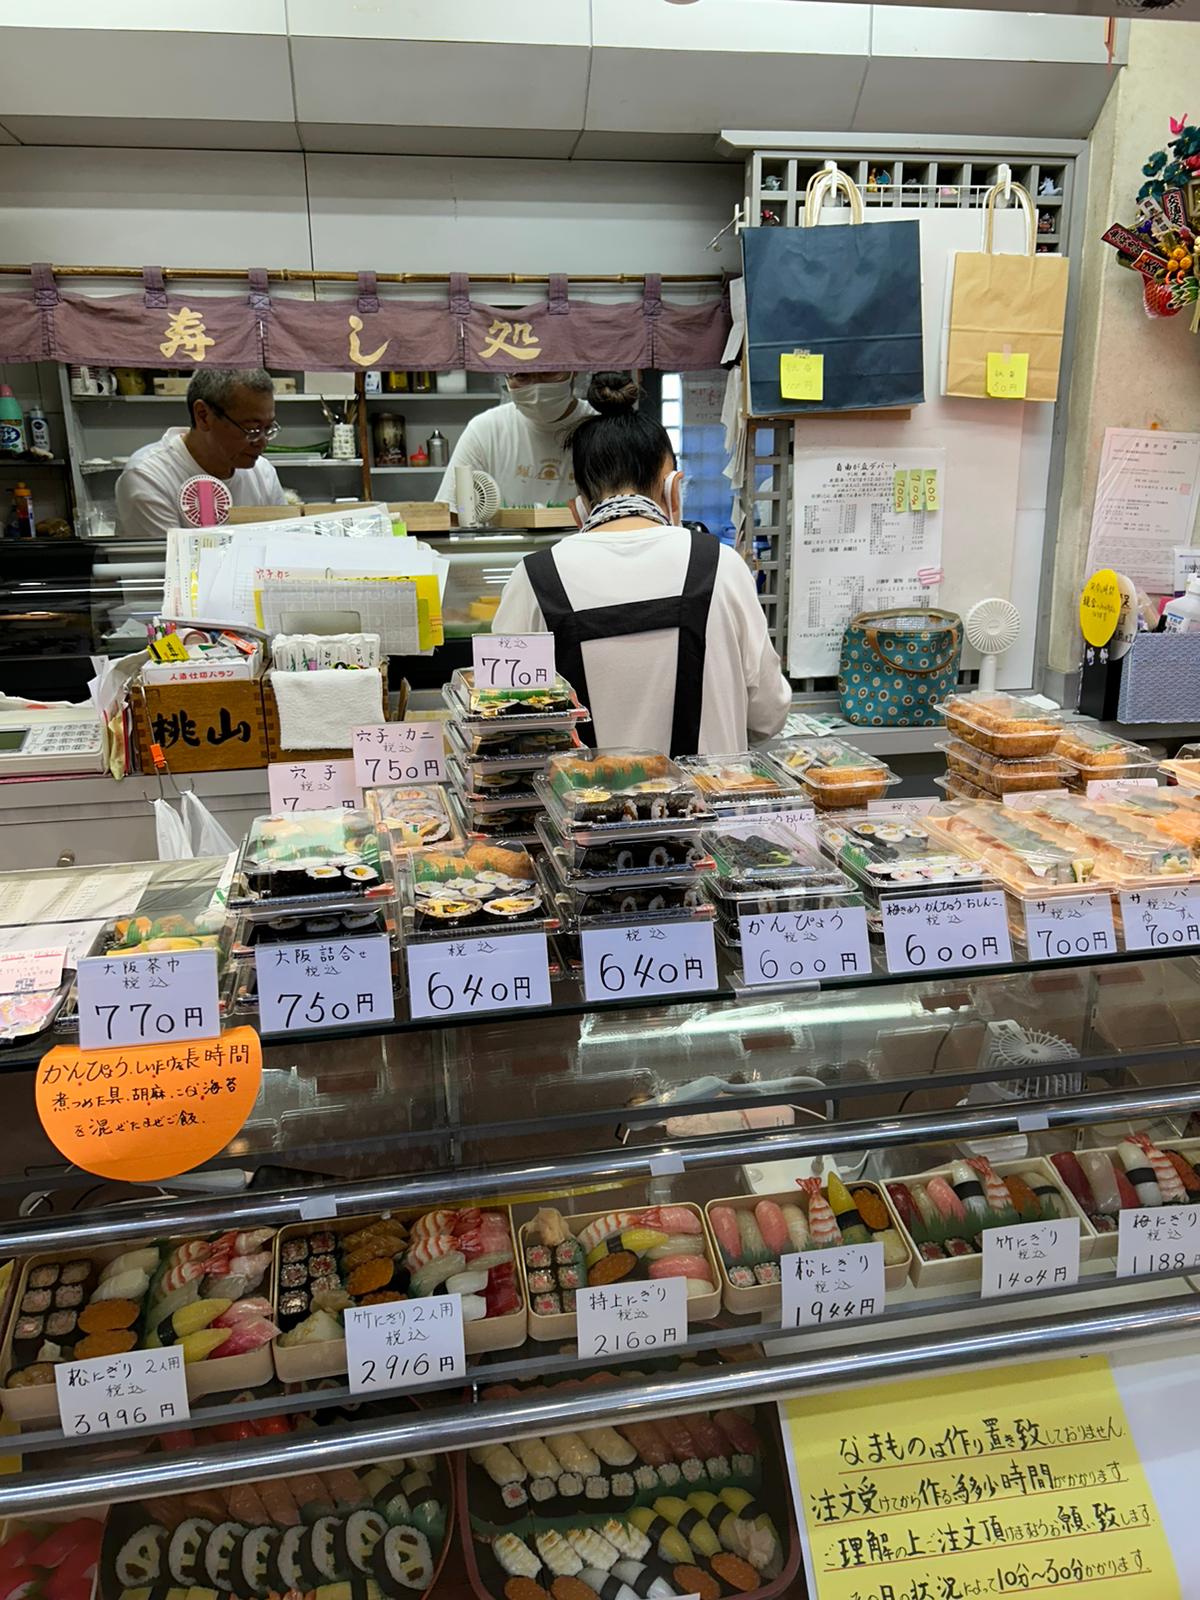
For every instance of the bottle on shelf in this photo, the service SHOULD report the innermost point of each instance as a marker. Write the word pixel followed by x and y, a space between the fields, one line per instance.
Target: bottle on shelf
pixel 421 382
pixel 12 424
pixel 437 449
pixel 395 382
pixel 1182 614
pixel 20 516
pixel 39 431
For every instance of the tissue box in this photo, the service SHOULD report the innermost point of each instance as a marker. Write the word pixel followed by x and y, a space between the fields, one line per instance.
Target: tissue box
pixel 201 727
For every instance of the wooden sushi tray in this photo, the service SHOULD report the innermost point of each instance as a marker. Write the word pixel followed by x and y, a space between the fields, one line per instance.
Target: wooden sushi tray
pixel 767 1298
pixel 1104 1245
pixel 327 1358
pixel 562 1325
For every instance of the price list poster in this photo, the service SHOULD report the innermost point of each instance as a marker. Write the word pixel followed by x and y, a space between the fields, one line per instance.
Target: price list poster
pixel 1021 1480
pixel 853 549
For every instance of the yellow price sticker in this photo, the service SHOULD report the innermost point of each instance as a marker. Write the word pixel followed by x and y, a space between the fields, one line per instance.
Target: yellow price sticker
pixel 932 503
pixel 802 376
pixel 916 485
pixel 169 648
pixel 900 491
pixel 1100 606
pixel 1007 376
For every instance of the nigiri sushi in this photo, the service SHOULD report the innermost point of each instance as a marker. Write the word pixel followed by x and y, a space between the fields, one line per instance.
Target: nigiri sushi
pixel 1102 1180
pixel 1125 1190
pixel 695 1268
pixel 665 1538
pixel 1165 1175
pixel 773 1227
pixel 432 1222
pixel 190 1250
pixel 966 1186
pixel 822 1225
pixel 1048 1196
pixel 604 1227
pixel 1188 1175
pixel 994 1190
pixel 946 1200
pixel 1066 1164
pixel 797 1227
pixel 595 1582
pixel 515 1556
pixel 690 1523
pixel 724 1225
pixel 754 1247
pixel 676 1244
pixel 623 1536
pixel 251 1333
pixel 638 1577
pixel 240 1310
pixel 431 1276
pixel 648 1439
pixel 592 1548
pixel 738 1431
pixel 574 1455
pixel 428 1248
pixel 536 1458
pixel 845 1212
pixel 906 1207
pixel 609 1446
pixel 557 1553
pixel 132 1261
pixel 671 1219
pixel 1022 1198
pixel 130 1285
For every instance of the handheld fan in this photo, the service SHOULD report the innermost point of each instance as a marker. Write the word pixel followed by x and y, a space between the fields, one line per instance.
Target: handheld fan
pixel 992 628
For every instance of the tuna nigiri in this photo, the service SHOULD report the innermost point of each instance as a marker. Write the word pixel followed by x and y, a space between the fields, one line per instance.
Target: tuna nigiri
pixel 648 1439
pixel 739 1432
pixel 1125 1190
pixel 724 1225
pixel 822 1225
pixel 906 1206
pixel 945 1200
pixel 671 1219
pixel 994 1191
pixel 1165 1175
pixel 845 1213
pixel 1066 1164
pixel 251 1333
pixel 695 1267
pixel 773 1227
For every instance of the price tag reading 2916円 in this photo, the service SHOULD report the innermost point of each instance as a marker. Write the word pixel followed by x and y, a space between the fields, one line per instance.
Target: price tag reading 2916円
pixel 923 933
pixel 405 1344
pixel 156 999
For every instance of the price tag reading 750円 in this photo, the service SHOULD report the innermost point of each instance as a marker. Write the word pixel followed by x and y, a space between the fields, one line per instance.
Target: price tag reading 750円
pixel 399 752
pixel 458 977
pixel 157 999
pixel 652 959
pixel 928 933
pixel 799 946
pixel 324 983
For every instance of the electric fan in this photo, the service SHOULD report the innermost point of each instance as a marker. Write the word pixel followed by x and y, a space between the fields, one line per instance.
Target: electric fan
pixel 1007 1045
pixel 992 627
pixel 485 500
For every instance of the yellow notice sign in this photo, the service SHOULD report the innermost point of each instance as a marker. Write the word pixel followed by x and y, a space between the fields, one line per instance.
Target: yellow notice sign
pixel 900 491
pixel 1023 1480
pixel 1007 376
pixel 802 376
pixel 1100 606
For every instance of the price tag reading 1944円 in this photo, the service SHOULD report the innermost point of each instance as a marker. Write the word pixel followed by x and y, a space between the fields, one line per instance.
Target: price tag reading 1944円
pixel 405 1344
pixel 324 983
pixel 925 933
pixel 616 1318
pixel 156 999
pixel 111 1394
pixel 513 661
pixel 843 1284
pixel 655 958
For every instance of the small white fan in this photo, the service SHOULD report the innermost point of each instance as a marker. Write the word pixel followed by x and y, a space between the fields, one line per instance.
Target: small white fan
pixel 1007 1045
pixel 992 628
pixel 487 498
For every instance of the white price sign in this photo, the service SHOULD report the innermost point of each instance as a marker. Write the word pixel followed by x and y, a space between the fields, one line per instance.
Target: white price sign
pixel 1114 788
pixel 157 999
pixel 111 1394
pixel 513 660
pixel 399 752
pixel 324 983
pixel 1158 1239
pixel 1069 926
pixel 1161 919
pixel 457 977
pixel 798 946
pixel 1030 799
pixel 312 786
pixel 405 1344
pixel 842 1284
pixel 616 1318
pixel 918 805
pixel 29 971
pixel 934 932
pixel 652 959
pixel 1030 1255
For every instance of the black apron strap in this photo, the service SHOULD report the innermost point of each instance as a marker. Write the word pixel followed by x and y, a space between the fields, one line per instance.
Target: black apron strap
pixel 562 622
pixel 693 643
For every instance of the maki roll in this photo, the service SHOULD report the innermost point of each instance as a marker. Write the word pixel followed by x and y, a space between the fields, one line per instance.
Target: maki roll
pixel 321 878
pixel 139 1560
pixel 219 1550
pixel 434 914
pixel 186 1550
pixel 403 1557
pixel 362 876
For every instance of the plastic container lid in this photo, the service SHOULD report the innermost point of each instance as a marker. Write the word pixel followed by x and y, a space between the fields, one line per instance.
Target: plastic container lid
pixel 632 903
pixel 557 705
pixel 413 816
pixel 1129 856
pixel 1093 755
pixel 633 857
pixel 999 775
pixel 745 782
pixel 309 857
pixel 1002 723
pixel 486 802
pixel 477 751
pixel 750 852
pixel 834 773
pixel 606 793
pixel 896 854
pixel 483 889
pixel 1015 851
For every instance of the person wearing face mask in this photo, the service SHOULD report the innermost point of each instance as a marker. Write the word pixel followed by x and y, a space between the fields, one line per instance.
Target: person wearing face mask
pixel 656 626
pixel 523 445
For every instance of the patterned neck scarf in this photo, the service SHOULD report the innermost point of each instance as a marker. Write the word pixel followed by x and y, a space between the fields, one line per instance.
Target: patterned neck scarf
pixel 624 505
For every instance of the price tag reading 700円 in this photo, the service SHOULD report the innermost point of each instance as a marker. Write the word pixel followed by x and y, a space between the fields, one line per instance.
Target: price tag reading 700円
pixel 652 959
pixel 324 983
pixel 127 1000
pixel 926 933
pixel 1069 926
pixel 450 977
pixel 111 1394
pixel 798 946
pixel 405 1344
pixel 615 1318
pixel 1166 918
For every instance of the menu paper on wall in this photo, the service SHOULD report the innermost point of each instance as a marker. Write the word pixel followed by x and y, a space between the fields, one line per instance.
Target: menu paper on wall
pixel 855 545
pixel 1017 1480
pixel 1146 499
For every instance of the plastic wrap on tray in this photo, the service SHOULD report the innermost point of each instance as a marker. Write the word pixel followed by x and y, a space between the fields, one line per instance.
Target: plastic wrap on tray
pixel 599 791
pixel 1185 767
pixel 999 775
pixel 413 816
pixel 1128 854
pixel 309 856
pixel 755 852
pixel 897 855
pixel 529 707
pixel 492 750
pixel 632 902
pixel 1156 814
pixel 1093 756
pixel 1002 724
pixel 635 856
pixel 1017 851
pixel 835 775
pixel 482 887
pixel 746 782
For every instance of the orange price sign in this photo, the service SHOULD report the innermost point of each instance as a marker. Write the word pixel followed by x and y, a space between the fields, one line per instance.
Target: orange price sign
pixel 148 1112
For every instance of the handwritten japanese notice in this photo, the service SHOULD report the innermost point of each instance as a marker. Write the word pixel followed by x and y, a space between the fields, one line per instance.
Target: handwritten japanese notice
pixel 1065 927
pixel 399 752
pixel 324 983
pixel 111 1394
pixel 450 977
pixel 928 933
pixel 164 997
pixel 655 958
pixel 1028 1256
pixel 1021 1480
pixel 799 946
pixel 405 1344
pixel 821 1287
pixel 619 1317
pixel 143 1113
pixel 1158 1239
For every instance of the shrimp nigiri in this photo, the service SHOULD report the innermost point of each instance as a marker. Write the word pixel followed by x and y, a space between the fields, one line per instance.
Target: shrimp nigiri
pixel 432 1222
pixel 994 1190
pixel 1165 1175
pixel 612 1222
pixel 1188 1175
pixel 671 1219
pixel 429 1247
pixel 822 1225
pixel 185 1272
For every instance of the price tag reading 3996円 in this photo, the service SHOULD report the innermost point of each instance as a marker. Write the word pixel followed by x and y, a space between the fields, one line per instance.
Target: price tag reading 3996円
pixel 155 999
pixel 111 1394
pixel 925 933
pixel 405 1344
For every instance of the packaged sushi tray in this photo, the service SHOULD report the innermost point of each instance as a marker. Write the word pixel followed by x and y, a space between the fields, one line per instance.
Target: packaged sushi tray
pixel 1000 775
pixel 315 922
pixel 835 775
pixel 1124 847
pixel 602 794
pixel 408 1255
pixel 212 1297
pixel 942 1214
pixel 756 853
pixel 321 857
pixel 1185 767
pixel 1024 858
pixel 890 856
pixel 562 1254
pixel 630 902
pixel 1002 724
pixel 50 1558
pixel 754 1231
pixel 956 787
pixel 1137 1172
pixel 554 704
pixel 494 752
pixel 642 1510
pixel 414 817
pixel 734 785
pixel 1093 756
pixel 1156 814
pixel 672 859
pixel 483 887
pixel 375 1533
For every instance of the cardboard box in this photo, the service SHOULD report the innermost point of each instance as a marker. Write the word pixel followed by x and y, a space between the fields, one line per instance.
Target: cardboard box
pixel 330 385
pixel 239 514
pixel 201 727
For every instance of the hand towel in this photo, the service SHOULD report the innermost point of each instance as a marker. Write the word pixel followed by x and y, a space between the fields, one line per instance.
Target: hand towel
pixel 317 710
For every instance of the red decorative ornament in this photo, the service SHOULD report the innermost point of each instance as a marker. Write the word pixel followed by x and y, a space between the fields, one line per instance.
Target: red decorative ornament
pixel 1156 297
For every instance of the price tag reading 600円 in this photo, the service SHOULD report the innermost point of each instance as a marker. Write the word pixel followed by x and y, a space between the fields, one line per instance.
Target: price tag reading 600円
pixel 798 946
pixel 148 999
pixel 923 933
pixel 405 1344
pixel 655 958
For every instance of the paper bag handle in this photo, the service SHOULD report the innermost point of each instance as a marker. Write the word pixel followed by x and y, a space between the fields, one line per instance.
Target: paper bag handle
pixel 989 212
pixel 826 183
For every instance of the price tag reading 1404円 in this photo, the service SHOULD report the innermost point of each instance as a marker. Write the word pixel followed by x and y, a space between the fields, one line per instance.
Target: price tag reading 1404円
pixel 1029 1256
pixel 922 933
pixel 842 1284
pixel 616 1318
pixel 405 1344
pixel 653 958
pixel 513 661
pixel 157 999
pixel 110 1394
pixel 324 983
pixel 799 946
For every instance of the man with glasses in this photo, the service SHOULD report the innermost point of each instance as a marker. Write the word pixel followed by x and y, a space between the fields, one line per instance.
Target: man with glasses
pixel 233 420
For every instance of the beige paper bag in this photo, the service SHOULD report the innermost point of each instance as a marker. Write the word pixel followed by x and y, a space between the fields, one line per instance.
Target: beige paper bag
pixel 1005 305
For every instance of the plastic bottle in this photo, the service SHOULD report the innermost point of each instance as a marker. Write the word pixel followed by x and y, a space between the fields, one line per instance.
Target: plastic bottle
pixel 20 516
pixel 12 424
pixel 39 430
pixel 1182 615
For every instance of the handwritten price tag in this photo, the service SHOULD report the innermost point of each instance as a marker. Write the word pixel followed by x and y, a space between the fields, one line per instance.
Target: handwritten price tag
pixel 802 377
pixel 324 983
pixel 458 977
pixel 29 971
pixel 1161 919
pixel 399 752
pixel 312 786
pixel 1030 1255
pixel 1071 926
pixel 1007 376
pixel 143 999
pixel 618 1317
pixel 838 1285
pixel 928 933
pixel 513 661
pixel 405 1344
pixel 1114 788
pixel 917 805
pixel 1158 1239
pixel 792 946
pixel 111 1394
pixel 655 958
pixel 1029 799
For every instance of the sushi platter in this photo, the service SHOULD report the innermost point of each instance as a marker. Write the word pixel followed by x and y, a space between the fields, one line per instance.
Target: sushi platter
pixel 754 1231
pixel 561 1254
pixel 54 1559
pixel 546 707
pixel 414 817
pixel 1093 756
pixel 212 1297
pixel 482 888
pixel 742 784
pixel 1138 1172
pixel 695 1505
pixel 355 1261
pixel 997 776
pixel 599 794
pixel 890 857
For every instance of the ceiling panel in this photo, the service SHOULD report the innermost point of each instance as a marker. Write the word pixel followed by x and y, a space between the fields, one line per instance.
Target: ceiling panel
pixel 151 16
pixel 764 27
pixel 351 138
pixel 632 145
pixel 516 22
pixel 155 133
pixel 899 30
pixel 1027 100
pixel 6 137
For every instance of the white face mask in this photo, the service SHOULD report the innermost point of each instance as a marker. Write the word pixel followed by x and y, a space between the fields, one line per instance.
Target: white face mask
pixel 543 403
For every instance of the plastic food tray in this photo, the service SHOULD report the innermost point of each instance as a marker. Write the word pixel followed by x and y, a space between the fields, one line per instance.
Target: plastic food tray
pixel 605 794
pixel 896 856
pixel 414 817
pixel 768 1297
pixel 1105 1245
pixel 737 785
pixel 562 1324
pixel 956 787
pixel 753 853
pixel 1159 815
pixel 835 775
pixel 479 753
pixel 273 865
pixel 555 706
pixel 304 1363
pixel 1127 855
pixel 628 904
pixel 997 775
pixel 1023 858
pixel 766 902
pixel 1093 756
pixel 293 927
pixel 567 877
pixel 1002 724
pixel 1185 768
pixel 434 869
pixel 638 857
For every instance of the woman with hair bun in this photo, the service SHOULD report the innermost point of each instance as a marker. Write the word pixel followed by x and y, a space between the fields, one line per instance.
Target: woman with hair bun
pixel 658 627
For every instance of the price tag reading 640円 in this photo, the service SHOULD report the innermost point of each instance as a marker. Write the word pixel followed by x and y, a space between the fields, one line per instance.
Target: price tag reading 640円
pixel 654 958
pixel 459 977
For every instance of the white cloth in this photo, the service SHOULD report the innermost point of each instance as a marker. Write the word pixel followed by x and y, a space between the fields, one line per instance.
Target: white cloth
pixel 148 489
pixel 631 681
pixel 531 466
pixel 318 710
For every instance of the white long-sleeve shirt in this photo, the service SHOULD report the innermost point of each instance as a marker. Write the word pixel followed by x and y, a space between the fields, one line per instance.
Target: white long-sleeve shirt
pixel 148 489
pixel 631 681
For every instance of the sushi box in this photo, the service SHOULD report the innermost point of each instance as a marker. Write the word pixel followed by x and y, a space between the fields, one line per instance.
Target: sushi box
pixel 1002 724
pixel 597 795
pixel 1131 848
pixel 767 1298
pixel 413 817
pixel 1093 756
pixel 1104 1246
pixel 742 784
pixel 1184 769
pixel 489 889
pixel 53 1555
pixel 561 1325
pixel 998 776
pixel 966 1270
pixel 310 858
pixel 670 858
pixel 1017 854
pixel 38 1403
pixel 555 706
pixel 895 857
pixel 627 904
pixel 756 854
pixel 835 776
pixel 481 756
pixel 326 1358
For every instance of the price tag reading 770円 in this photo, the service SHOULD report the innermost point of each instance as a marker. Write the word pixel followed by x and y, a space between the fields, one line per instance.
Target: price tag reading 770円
pixel 458 977
pixel 513 661
pixel 1029 1256
pixel 127 1000
pixel 928 933
pixel 405 1344
pixel 652 959
pixel 399 752
pixel 111 1394
pixel 324 983
pixel 799 946
pixel 616 1318
pixel 842 1284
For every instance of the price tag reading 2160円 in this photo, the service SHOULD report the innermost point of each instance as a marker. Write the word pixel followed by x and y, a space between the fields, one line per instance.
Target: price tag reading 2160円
pixel 158 999
pixel 615 1318
pixel 923 933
